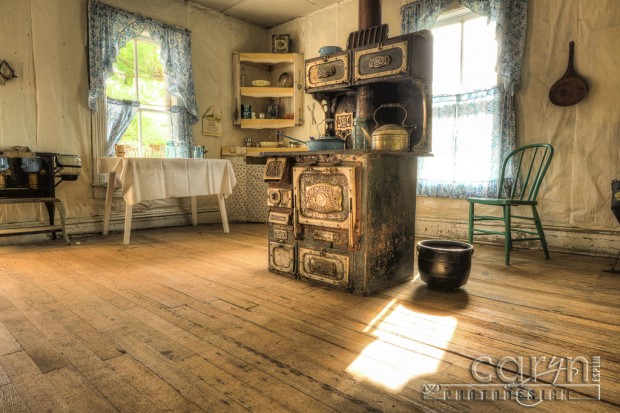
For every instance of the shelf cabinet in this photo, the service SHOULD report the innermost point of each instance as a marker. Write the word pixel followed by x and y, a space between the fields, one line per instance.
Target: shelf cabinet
pixel 288 96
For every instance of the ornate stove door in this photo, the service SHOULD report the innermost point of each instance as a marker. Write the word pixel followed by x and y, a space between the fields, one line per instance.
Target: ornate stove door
pixel 325 196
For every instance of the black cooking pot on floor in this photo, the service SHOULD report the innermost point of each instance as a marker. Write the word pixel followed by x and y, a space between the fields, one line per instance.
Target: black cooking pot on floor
pixel 444 264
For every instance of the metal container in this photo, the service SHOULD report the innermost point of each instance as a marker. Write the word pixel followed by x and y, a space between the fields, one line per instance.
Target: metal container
pixel 444 264
pixel 390 137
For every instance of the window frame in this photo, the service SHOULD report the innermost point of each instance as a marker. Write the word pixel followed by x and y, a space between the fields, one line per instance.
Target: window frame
pixel 144 107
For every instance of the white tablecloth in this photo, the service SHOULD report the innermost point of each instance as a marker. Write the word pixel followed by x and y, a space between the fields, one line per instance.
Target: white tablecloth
pixel 144 179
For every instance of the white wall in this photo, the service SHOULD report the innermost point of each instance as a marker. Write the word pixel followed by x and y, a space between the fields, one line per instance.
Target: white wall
pixel 45 107
pixel 575 198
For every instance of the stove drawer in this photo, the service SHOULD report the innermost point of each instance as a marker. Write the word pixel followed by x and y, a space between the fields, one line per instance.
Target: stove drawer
pixel 381 61
pixel 327 71
pixel 281 233
pixel 325 237
pixel 282 218
pixel 282 257
pixel 324 266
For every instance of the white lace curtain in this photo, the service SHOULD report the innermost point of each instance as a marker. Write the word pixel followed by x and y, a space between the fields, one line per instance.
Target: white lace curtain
pixel 453 173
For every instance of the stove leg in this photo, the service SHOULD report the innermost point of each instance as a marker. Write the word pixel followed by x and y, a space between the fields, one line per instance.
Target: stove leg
pixel 50 214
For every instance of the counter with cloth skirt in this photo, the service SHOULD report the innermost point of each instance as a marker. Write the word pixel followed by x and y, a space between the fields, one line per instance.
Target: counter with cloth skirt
pixel 146 179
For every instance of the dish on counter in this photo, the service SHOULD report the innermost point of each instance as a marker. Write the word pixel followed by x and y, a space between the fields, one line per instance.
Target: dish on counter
pixel 261 83
pixel 269 144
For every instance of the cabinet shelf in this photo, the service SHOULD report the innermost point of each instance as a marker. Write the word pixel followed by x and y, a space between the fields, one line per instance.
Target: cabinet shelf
pixel 268 92
pixel 267 123
pixel 267 58
pixel 284 103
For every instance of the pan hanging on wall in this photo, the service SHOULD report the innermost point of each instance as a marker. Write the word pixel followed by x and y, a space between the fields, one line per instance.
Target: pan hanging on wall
pixel 6 72
pixel 570 88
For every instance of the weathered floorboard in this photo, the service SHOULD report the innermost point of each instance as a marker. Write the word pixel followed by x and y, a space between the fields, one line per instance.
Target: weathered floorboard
pixel 188 319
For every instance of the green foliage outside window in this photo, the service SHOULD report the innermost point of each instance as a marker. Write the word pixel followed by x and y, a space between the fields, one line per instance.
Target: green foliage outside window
pixel 154 113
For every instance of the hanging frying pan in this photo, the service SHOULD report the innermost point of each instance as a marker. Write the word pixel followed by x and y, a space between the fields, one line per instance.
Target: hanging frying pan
pixel 571 88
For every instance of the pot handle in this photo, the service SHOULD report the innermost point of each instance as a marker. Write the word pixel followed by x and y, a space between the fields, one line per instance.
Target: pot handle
pixel 389 105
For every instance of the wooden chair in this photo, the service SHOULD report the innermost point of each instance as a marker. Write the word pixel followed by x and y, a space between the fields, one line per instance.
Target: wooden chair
pixel 530 163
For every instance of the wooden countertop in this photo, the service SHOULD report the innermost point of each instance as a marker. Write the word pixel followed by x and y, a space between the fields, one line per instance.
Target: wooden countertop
pixel 250 151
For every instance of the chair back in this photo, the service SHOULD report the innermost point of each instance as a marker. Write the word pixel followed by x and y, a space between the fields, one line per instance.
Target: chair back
pixel 527 165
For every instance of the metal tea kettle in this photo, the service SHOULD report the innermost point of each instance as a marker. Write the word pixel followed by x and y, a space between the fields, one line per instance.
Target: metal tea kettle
pixel 389 137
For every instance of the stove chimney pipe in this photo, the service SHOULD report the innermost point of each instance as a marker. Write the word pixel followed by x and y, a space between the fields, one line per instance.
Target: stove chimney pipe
pixel 369 15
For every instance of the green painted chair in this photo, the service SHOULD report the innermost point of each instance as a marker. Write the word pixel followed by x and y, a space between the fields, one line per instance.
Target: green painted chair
pixel 529 163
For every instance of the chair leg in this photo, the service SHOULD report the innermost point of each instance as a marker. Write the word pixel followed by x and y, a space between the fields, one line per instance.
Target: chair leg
pixel 470 228
pixel 507 234
pixel 541 233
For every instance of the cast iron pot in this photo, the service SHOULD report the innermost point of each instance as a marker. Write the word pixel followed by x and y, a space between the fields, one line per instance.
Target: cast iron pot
pixel 444 264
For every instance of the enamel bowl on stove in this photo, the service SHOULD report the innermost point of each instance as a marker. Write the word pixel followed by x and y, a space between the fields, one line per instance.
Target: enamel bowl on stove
pixel 327 50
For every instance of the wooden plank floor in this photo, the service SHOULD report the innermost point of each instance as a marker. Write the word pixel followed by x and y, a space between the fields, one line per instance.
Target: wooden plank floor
pixel 188 319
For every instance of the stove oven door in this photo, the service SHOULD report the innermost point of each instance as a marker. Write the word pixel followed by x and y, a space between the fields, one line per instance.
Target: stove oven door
pixel 324 266
pixel 281 257
pixel 325 196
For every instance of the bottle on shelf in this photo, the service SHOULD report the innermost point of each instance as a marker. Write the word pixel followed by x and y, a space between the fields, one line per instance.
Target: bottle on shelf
pixel 243 81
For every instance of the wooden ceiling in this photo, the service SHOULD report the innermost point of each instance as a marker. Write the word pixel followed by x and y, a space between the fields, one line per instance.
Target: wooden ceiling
pixel 266 13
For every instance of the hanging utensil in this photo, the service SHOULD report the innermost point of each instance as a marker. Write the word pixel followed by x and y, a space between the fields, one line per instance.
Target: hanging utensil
pixel 570 88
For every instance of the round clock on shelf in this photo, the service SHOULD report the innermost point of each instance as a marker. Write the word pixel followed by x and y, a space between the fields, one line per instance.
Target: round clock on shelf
pixel 280 43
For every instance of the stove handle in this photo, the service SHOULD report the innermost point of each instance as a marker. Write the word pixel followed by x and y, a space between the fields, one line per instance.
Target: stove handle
pixel 351 223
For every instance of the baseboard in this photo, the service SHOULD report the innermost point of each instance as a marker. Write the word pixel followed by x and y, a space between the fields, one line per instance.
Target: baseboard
pixel 78 227
pixel 559 239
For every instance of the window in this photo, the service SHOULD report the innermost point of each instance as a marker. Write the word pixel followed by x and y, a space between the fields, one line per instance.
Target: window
pixel 138 83
pixel 465 108
pixel 129 48
pixel 465 53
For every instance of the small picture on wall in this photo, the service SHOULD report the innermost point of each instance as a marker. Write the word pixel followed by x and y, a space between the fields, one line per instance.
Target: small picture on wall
pixel 280 43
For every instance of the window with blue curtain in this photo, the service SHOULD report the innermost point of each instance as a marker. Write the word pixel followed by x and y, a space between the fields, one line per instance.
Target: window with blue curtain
pixel 478 50
pixel 111 30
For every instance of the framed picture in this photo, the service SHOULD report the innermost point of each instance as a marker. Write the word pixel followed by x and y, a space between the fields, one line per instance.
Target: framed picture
pixel 280 43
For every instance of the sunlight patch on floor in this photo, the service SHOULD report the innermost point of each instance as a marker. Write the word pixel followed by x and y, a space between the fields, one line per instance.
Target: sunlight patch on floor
pixel 408 344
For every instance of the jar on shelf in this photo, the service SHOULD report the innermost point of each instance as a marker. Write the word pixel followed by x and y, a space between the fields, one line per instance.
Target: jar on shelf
pixel 170 151
pixel 182 150
pixel 243 79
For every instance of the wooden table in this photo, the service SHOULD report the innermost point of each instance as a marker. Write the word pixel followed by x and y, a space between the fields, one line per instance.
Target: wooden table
pixel 144 179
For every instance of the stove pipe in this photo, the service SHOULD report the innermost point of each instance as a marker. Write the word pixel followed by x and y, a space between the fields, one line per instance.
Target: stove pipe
pixel 369 15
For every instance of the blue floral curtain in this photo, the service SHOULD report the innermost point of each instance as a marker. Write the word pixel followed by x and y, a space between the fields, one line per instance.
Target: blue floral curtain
pixel 110 28
pixel 180 125
pixel 120 113
pixel 510 17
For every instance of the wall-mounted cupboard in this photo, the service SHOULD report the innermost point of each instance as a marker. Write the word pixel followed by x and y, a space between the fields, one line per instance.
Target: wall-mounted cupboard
pixel 268 90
